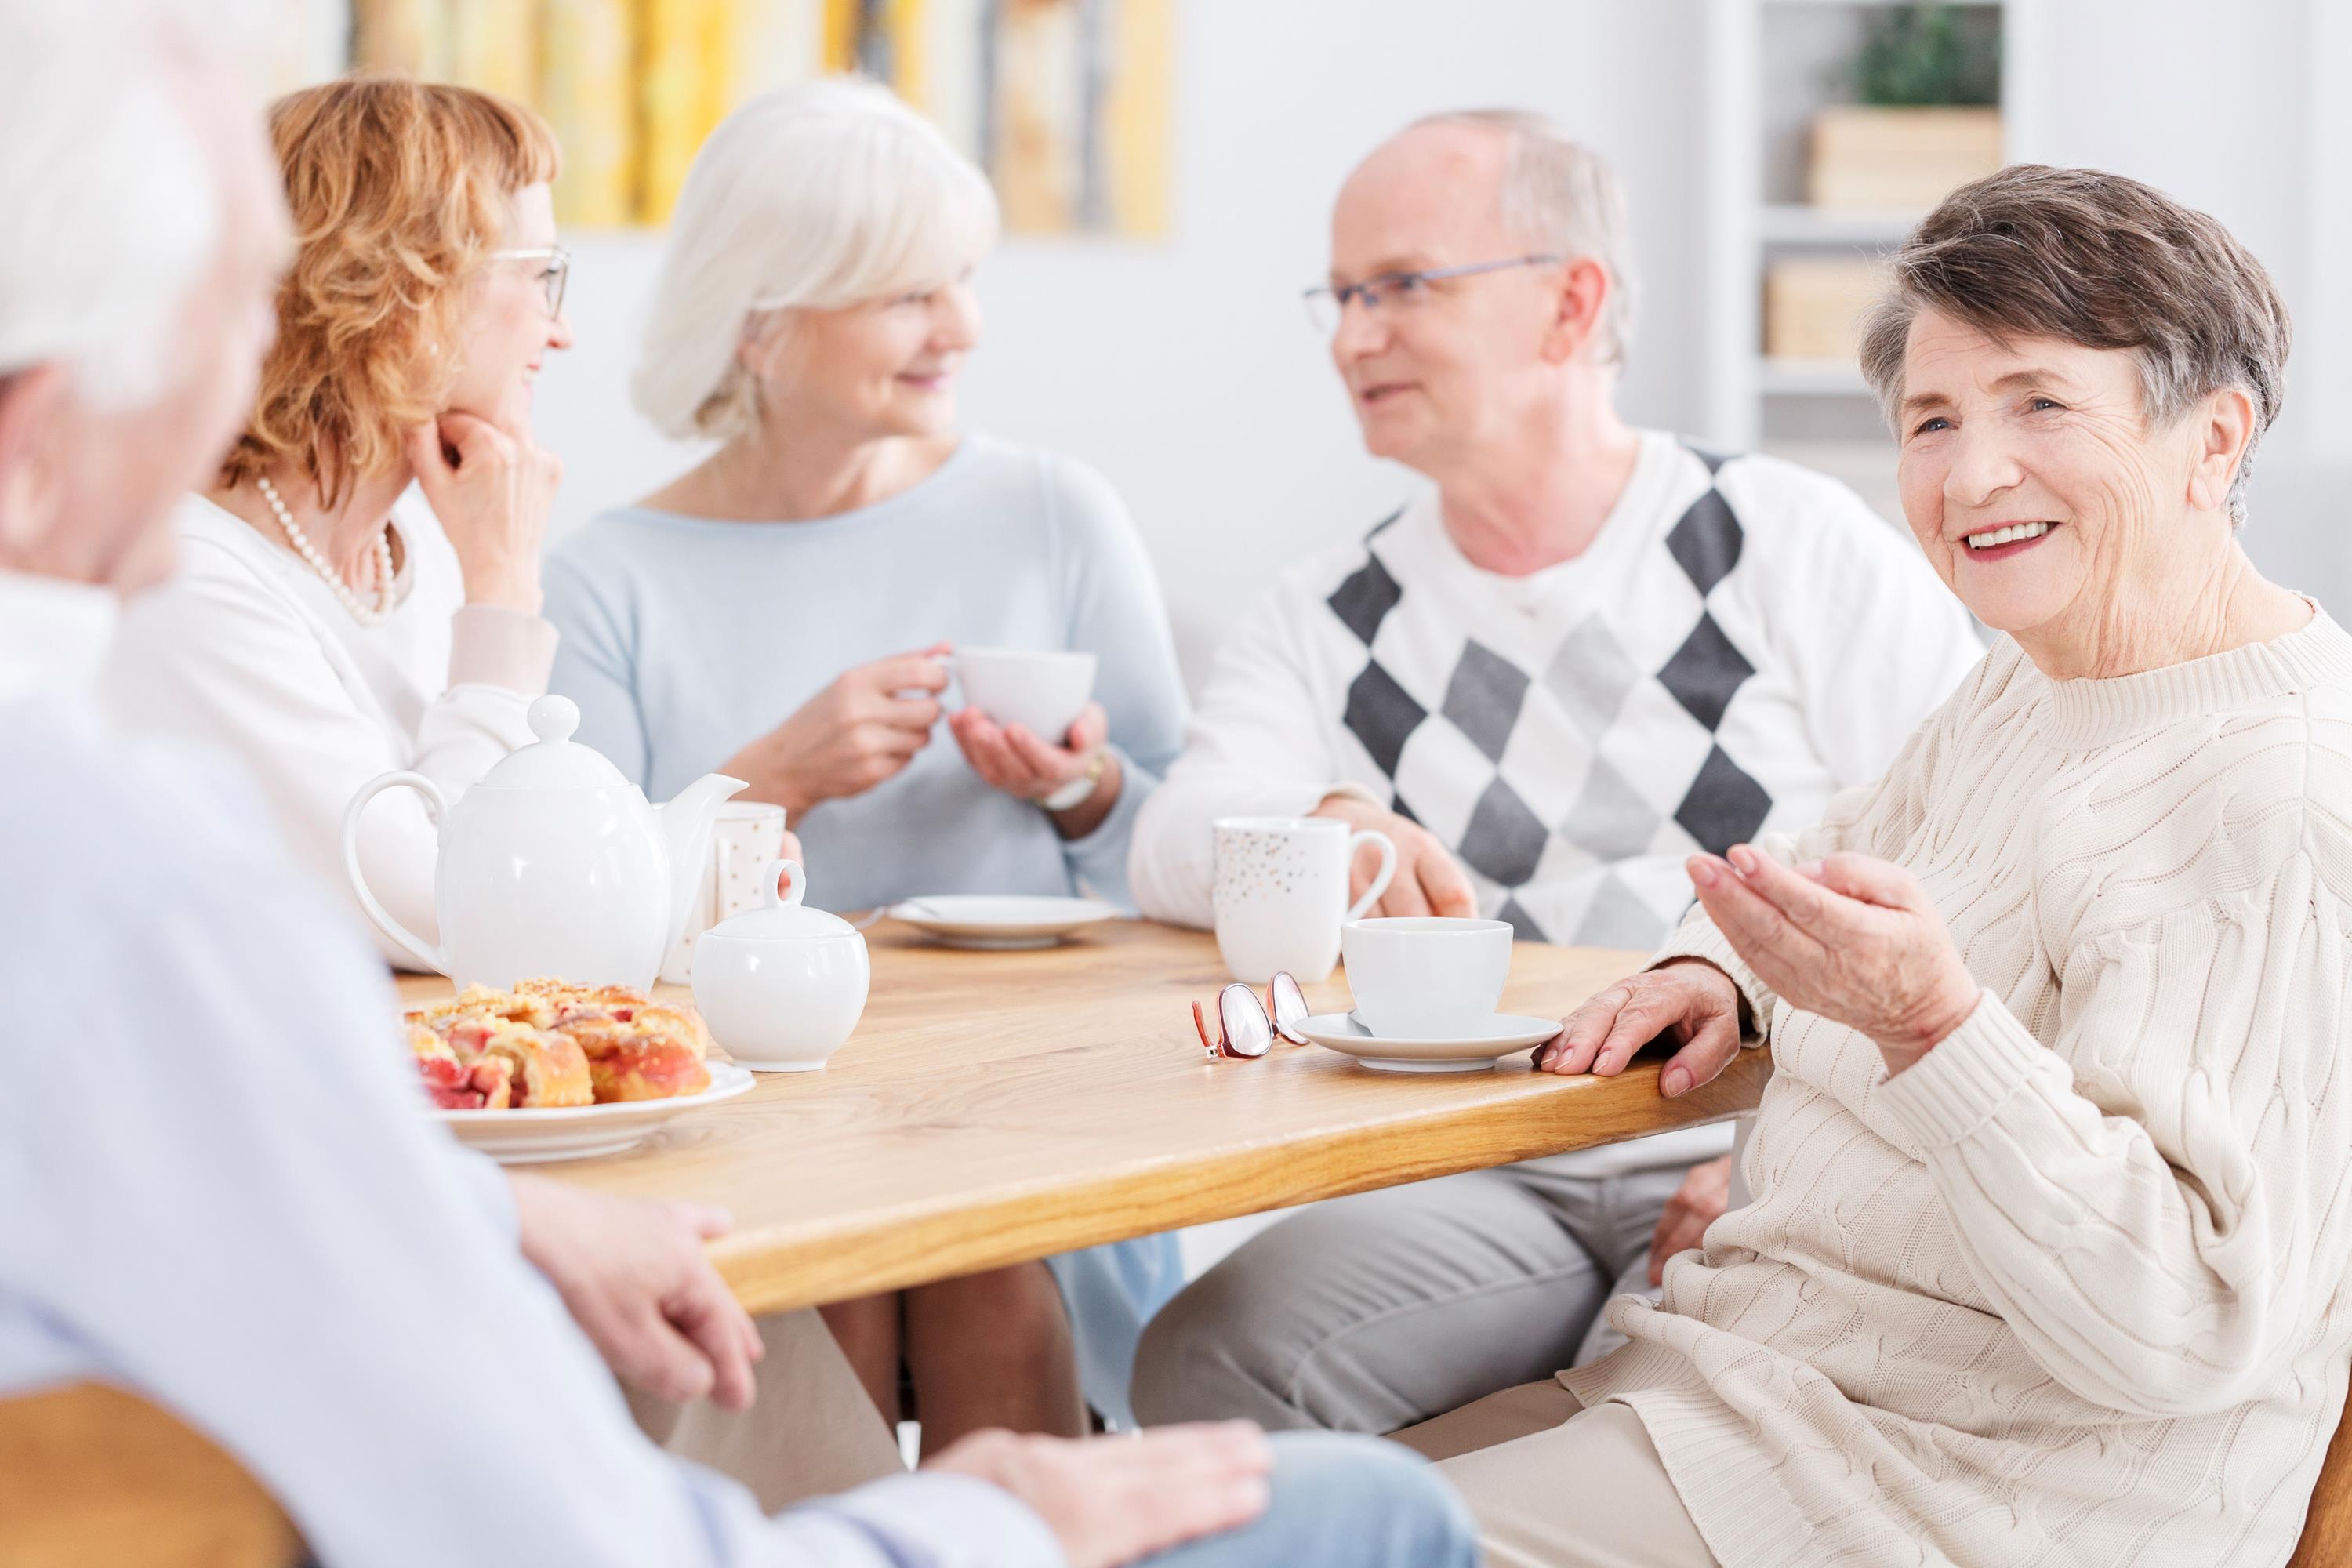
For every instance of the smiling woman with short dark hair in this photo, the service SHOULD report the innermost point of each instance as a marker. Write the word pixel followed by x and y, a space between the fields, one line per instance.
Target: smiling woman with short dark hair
pixel 2047 1247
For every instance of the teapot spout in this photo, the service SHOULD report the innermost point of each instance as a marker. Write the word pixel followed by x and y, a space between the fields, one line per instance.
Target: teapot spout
pixel 686 821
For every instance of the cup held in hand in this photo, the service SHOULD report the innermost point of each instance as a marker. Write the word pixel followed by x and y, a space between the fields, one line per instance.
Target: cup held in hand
pixel 1041 691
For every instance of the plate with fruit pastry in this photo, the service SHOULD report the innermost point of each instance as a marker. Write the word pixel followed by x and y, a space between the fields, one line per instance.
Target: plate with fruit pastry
pixel 551 1070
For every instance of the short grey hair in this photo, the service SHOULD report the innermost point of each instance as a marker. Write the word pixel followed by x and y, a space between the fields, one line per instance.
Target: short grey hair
pixel 814 196
pixel 113 209
pixel 1559 197
pixel 2100 260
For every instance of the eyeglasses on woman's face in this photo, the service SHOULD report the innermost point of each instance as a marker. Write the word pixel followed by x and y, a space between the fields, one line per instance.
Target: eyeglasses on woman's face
pixel 553 270
pixel 1394 293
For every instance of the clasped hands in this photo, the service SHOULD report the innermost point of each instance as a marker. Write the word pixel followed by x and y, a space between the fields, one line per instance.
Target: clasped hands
pixel 1851 938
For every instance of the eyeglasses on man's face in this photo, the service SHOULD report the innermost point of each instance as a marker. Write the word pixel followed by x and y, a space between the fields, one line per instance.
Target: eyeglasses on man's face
pixel 553 270
pixel 1393 293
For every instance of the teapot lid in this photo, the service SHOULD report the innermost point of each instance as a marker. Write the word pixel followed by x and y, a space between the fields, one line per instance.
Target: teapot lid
pixel 555 761
pixel 784 918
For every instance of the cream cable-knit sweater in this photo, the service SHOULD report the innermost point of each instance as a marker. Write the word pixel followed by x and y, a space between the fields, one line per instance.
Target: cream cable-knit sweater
pixel 2070 1289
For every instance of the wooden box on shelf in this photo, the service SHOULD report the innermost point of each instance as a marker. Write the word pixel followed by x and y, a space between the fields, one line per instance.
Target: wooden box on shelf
pixel 1865 157
pixel 1813 305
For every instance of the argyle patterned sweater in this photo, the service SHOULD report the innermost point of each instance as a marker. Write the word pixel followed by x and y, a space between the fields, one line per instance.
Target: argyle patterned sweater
pixel 1742 638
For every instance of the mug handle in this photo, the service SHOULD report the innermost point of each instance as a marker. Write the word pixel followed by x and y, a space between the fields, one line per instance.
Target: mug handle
pixel 1381 878
pixel 436 806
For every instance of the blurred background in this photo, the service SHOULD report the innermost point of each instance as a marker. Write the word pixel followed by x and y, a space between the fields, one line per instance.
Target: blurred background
pixel 1167 168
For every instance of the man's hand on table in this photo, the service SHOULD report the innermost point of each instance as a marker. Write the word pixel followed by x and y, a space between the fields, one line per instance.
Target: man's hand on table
pixel 1111 1500
pixel 1427 880
pixel 634 1275
pixel 1698 1202
pixel 1687 1000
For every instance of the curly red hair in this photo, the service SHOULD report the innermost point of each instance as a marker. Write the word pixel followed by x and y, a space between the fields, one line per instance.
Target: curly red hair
pixel 399 190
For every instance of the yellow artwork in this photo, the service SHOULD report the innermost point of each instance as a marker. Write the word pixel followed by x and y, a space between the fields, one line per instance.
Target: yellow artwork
pixel 1067 103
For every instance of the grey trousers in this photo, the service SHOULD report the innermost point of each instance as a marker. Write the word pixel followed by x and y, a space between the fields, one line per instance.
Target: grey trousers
pixel 1374 1312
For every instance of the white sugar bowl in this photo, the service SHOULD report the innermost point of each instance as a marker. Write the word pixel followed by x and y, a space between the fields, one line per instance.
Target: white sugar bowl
pixel 783 986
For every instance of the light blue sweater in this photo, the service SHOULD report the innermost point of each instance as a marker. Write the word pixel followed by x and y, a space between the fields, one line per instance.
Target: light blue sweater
pixel 684 638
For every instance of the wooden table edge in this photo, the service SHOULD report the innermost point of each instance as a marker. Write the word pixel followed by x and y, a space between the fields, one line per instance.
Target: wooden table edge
pixel 776 1269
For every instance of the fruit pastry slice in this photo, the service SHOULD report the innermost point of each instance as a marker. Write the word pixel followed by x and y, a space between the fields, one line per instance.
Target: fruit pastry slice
pixel 483 1084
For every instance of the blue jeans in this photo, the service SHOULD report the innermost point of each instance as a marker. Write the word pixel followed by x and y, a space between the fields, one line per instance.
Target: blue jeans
pixel 1342 1501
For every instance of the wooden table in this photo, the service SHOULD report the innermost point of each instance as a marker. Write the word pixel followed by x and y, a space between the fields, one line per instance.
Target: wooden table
pixel 996 1107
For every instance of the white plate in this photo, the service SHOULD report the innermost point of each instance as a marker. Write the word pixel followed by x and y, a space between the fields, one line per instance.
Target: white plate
pixel 998 922
pixel 1474 1051
pixel 582 1131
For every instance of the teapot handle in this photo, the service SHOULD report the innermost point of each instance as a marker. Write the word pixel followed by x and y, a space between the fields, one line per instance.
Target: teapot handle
pixel 437 805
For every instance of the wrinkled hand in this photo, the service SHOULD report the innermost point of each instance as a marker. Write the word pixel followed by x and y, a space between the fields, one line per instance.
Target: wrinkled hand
pixel 1014 759
pixel 1685 1000
pixel 1428 881
pixel 1111 1501
pixel 1698 1202
pixel 492 487
pixel 858 732
pixel 1851 938
pixel 634 1276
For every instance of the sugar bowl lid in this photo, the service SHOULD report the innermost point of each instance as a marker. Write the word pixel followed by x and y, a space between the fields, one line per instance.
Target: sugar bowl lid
pixel 555 760
pixel 784 918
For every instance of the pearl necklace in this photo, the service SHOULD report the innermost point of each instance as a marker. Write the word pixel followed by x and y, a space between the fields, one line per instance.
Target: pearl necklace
pixel 309 552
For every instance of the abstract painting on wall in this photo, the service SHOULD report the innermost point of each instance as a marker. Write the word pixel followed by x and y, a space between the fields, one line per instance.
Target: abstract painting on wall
pixel 1067 103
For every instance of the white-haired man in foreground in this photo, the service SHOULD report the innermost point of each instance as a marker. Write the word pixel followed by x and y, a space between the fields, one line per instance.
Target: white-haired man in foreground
pixel 222 1195
pixel 1583 652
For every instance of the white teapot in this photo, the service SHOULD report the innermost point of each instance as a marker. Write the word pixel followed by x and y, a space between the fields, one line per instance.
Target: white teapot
pixel 553 865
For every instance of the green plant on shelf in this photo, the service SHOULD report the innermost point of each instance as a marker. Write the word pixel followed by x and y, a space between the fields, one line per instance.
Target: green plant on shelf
pixel 1915 55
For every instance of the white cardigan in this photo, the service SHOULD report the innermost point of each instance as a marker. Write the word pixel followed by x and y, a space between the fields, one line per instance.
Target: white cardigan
pixel 249 650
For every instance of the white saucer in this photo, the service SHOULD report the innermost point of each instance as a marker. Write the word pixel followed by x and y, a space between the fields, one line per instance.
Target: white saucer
pixel 1473 1050
pixel 531 1137
pixel 1000 921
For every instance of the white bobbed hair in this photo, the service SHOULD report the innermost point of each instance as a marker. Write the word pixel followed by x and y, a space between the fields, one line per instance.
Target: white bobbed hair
pixel 813 196
pixel 112 207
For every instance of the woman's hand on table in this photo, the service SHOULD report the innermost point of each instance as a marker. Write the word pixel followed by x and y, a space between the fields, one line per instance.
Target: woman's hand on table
pixel 859 731
pixel 1698 1202
pixel 1111 1500
pixel 1014 759
pixel 492 488
pixel 1428 880
pixel 634 1276
pixel 1851 938
pixel 1687 1001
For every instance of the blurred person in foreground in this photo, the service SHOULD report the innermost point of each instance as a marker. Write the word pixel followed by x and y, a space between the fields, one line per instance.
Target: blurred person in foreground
pixel 268 1238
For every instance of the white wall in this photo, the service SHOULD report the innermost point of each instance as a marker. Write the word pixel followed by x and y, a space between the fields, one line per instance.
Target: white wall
pixel 1185 370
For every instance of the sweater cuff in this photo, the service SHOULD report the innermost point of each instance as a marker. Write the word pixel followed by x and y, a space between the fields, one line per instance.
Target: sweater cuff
pixel 1966 1077
pixel 1352 791
pixel 490 646
pixel 1697 938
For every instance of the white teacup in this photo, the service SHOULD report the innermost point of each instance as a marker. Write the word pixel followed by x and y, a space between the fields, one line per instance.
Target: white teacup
pixel 747 836
pixel 1431 979
pixel 1281 893
pixel 1044 692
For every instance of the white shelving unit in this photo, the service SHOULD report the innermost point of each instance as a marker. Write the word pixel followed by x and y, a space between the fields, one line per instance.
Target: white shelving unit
pixel 1769 64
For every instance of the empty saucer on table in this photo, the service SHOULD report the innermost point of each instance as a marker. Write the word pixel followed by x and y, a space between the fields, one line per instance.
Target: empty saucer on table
pixel 531 1137
pixel 1471 1051
pixel 995 921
